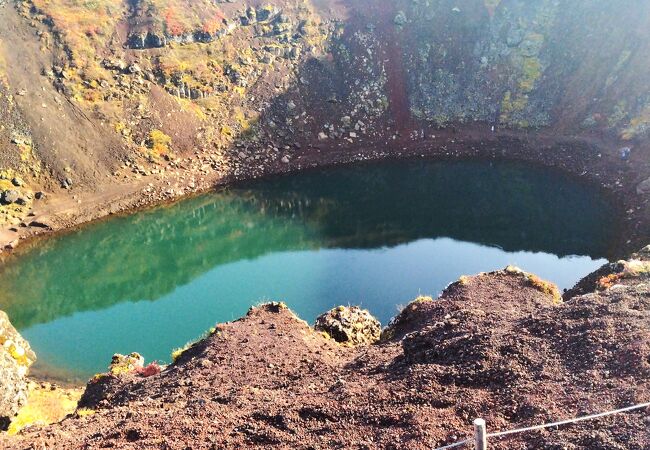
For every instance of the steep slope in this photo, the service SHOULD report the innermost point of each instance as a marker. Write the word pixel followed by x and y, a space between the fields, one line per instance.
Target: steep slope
pixel 499 345
pixel 148 100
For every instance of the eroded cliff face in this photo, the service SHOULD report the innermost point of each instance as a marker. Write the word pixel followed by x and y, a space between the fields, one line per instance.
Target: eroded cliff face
pixel 185 93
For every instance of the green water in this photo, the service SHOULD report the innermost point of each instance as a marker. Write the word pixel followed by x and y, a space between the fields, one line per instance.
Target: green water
pixel 375 235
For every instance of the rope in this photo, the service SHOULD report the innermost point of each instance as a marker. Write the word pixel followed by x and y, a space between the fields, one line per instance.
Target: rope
pixel 564 422
pixel 549 425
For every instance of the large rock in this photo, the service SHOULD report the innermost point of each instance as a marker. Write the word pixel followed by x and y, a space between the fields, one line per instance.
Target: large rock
pixel 643 187
pixel 9 197
pixel 349 325
pixel 15 358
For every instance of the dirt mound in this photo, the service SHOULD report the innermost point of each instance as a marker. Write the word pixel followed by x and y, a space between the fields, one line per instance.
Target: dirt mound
pixel 496 345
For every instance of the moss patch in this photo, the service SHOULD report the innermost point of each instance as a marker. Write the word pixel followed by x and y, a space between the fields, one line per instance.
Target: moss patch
pixel 46 404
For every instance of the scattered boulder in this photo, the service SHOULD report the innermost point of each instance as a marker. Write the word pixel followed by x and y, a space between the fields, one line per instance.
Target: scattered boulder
pixel 643 187
pixel 400 19
pixel 15 358
pixel 10 196
pixel 349 325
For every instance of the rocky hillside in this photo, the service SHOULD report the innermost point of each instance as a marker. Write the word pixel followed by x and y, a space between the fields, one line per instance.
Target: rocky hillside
pixel 270 380
pixel 113 104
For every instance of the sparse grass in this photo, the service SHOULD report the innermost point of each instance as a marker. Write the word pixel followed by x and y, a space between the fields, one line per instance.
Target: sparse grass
pixel 83 412
pixel 85 25
pixel 176 353
pixel 545 286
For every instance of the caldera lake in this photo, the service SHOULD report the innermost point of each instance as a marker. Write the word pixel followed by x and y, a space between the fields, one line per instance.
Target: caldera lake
pixel 375 235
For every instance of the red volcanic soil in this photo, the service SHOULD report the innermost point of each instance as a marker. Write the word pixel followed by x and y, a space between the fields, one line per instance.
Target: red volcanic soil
pixel 499 346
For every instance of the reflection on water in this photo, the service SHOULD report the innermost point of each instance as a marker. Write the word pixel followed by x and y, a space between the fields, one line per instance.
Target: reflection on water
pixel 376 235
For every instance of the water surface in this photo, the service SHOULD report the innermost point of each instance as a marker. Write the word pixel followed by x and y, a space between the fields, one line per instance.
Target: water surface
pixel 375 235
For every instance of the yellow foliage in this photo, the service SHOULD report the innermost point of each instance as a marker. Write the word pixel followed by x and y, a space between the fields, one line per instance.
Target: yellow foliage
pixel 84 24
pixel 45 406
pixel 545 286
pixel 5 185
pixel 531 72
pixel 158 142
pixel 190 106
pixel 510 105
pixel 176 353
pixel 638 126
pixel 226 130
pixel 83 412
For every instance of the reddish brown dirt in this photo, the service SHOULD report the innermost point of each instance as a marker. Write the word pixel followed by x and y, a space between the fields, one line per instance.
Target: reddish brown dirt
pixel 396 86
pixel 493 346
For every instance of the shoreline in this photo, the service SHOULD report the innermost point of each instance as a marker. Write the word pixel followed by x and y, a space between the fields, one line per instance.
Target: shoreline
pixel 62 214
pixel 228 383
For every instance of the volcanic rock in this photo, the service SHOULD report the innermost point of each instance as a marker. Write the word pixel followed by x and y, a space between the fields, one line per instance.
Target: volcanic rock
pixel 349 325
pixel 15 358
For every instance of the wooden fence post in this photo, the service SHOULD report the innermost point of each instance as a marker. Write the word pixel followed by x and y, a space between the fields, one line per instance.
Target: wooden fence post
pixel 480 438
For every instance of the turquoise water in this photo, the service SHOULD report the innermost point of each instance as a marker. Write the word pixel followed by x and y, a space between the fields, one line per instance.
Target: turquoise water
pixel 374 235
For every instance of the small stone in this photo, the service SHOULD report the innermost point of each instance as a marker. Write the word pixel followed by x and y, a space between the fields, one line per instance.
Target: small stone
pixel 285 159
pixel 322 136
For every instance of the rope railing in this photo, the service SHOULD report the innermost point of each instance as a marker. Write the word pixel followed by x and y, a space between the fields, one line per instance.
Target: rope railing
pixel 480 436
